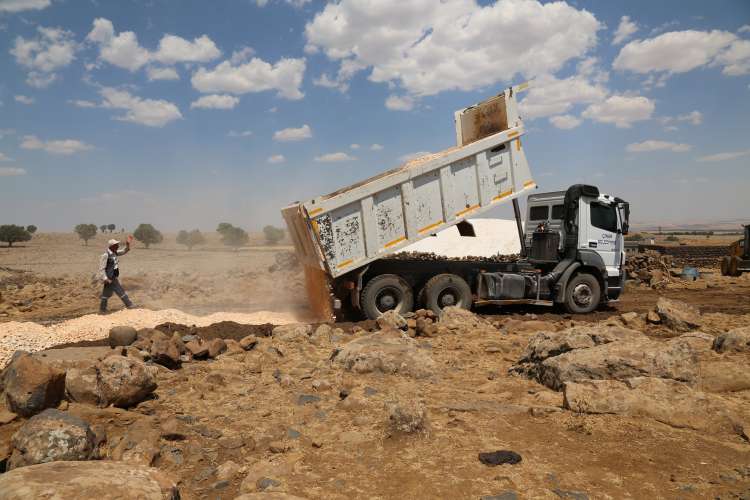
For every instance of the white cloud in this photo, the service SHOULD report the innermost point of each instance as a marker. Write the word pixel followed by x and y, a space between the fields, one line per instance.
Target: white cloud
pixel 11 171
pixel 117 196
pixel 51 50
pixel 241 55
pixel 620 110
pixel 21 5
pixel 624 30
pixel 124 50
pixel 353 146
pixel 565 121
pixel 254 76
pixel 3 157
pixel 174 49
pixel 4 132
pixel 24 99
pixel 55 147
pixel 149 112
pixel 157 73
pixel 216 101
pixel 243 133
pixel 412 156
pixel 334 157
pixel 724 156
pixel 693 118
pixel 121 50
pixel 652 145
pixel 293 134
pixel 293 3
pixel 276 159
pixel 745 28
pixel 548 95
pixel 682 51
pixel 376 147
pixel 82 103
pixel 399 103
pixel 458 46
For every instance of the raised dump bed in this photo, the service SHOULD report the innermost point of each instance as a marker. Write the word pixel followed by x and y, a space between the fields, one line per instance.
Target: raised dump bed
pixel 337 233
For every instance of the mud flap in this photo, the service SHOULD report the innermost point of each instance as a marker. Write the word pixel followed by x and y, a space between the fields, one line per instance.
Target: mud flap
pixel 318 291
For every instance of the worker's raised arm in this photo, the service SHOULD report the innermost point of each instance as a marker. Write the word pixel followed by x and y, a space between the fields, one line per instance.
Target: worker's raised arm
pixel 128 241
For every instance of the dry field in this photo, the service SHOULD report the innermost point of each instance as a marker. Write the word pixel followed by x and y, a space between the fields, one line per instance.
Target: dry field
pixel 608 405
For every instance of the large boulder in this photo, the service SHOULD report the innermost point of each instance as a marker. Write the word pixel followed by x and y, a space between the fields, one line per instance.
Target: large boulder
pixel 116 380
pixel 387 351
pixel 32 385
pixel 52 436
pixel 87 481
pixel 666 401
pixel 122 335
pixel 620 361
pixel 737 340
pixel 407 416
pixel 548 344
pixel 164 351
pixel 677 315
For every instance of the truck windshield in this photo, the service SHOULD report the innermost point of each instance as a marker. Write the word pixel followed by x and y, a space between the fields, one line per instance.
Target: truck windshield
pixel 604 217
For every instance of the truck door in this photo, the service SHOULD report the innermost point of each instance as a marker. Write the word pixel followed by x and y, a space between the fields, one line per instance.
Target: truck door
pixel 600 233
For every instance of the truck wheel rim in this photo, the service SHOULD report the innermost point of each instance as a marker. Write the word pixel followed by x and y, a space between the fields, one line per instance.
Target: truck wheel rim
pixel 447 298
pixel 582 294
pixel 388 299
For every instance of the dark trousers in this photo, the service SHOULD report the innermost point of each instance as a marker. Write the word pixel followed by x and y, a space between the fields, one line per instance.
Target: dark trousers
pixel 116 288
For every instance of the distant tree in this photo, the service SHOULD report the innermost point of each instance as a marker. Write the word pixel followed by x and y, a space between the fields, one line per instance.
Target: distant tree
pixel 111 227
pixel 634 237
pixel 31 229
pixel 273 234
pixel 233 236
pixel 86 232
pixel 223 227
pixel 103 228
pixel 190 239
pixel 11 233
pixel 148 235
pixel 671 237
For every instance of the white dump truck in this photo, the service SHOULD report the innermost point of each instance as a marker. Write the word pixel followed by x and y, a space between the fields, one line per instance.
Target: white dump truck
pixel 572 250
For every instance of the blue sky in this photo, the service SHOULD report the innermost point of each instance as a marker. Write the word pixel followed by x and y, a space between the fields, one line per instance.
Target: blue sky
pixel 184 114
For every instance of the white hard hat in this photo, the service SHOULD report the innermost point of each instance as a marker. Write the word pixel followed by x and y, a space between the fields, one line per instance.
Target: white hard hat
pixel 112 242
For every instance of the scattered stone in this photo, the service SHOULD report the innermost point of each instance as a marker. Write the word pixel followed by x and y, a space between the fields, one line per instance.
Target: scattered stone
pixel 248 343
pixel 266 483
pixel 737 340
pixel 116 380
pixel 173 429
pixel 197 349
pixel 6 416
pixel 32 385
pixel 652 317
pixel 387 351
pixel 499 457
pixel 633 320
pixel 292 333
pixel 321 385
pixel 304 399
pixel 392 320
pixel 216 347
pixel 164 352
pixel 122 336
pixel 322 335
pixel 278 447
pixel 52 436
pixel 87 480
pixel 570 495
pixel 407 416
pixel 458 320
pixel 678 315
pixel 227 471
pixel 505 495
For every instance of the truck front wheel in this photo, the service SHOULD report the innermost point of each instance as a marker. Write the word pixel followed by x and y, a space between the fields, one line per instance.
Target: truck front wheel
pixel 582 294
pixel 385 293
pixel 446 290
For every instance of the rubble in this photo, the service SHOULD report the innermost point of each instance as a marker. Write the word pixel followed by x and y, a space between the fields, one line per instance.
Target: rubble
pixel 737 340
pixel 116 380
pixel 649 267
pixel 386 351
pixel 678 315
pixel 31 385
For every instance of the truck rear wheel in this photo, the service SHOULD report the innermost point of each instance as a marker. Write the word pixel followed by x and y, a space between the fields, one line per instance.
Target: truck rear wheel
pixel 582 294
pixel 446 290
pixel 725 265
pixel 385 293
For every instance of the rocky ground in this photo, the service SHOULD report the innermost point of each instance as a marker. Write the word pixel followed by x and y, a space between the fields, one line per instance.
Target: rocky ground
pixel 640 405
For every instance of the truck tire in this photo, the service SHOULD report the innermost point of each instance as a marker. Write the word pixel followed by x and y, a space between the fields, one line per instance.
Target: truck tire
pixel 446 290
pixel 582 294
pixel 734 264
pixel 384 293
pixel 725 261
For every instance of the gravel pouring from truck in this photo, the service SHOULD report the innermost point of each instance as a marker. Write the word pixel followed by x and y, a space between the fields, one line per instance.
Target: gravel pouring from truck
pixel 343 239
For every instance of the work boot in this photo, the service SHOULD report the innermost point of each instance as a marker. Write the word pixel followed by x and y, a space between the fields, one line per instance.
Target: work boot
pixel 103 306
pixel 128 303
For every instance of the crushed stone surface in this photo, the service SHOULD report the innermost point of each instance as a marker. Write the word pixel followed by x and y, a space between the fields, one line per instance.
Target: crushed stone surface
pixel 31 337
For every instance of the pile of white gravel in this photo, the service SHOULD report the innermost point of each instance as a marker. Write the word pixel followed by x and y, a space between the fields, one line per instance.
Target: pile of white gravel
pixel 33 337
